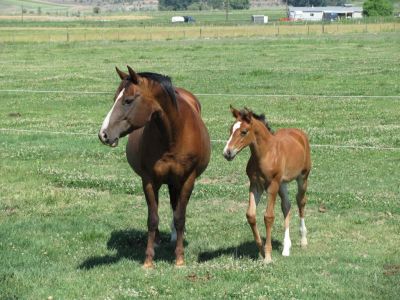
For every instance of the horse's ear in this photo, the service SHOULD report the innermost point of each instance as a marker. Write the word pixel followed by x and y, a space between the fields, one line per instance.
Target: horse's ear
pixel 234 111
pixel 133 75
pixel 248 115
pixel 121 74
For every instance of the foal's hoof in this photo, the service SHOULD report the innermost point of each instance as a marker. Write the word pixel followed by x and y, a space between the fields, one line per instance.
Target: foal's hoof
pixel 179 263
pixel 148 265
pixel 303 243
pixel 267 260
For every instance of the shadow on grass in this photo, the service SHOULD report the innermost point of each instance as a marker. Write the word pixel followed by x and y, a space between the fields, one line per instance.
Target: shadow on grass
pixel 245 250
pixel 131 244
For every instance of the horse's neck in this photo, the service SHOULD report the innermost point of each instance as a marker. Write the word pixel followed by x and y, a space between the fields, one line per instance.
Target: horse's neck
pixel 263 139
pixel 168 121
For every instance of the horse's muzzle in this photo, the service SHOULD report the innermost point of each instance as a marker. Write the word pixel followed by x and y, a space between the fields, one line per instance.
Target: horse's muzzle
pixel 106 140
pixel 229 154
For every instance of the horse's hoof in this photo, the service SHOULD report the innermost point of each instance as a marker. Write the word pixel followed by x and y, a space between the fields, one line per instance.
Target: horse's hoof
pixel 286 252
pixel 267 260
pixel 303 243
pixel 179 263
pixel 148 265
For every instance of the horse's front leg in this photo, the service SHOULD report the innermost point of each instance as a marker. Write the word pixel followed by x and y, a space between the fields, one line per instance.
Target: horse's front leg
pixel 180 217
pixel 151 193
pixel 269 218
pixel 255 193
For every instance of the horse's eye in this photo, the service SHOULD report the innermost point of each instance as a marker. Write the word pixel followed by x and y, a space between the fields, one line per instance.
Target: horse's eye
pixel 128 101
pixel 243 132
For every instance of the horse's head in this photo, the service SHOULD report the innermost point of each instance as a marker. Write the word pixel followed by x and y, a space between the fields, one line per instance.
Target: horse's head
pixel 241 133
pixel 133 107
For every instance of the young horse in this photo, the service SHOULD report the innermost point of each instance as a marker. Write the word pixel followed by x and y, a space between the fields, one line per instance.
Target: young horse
pixel 276 159
pixel 168 144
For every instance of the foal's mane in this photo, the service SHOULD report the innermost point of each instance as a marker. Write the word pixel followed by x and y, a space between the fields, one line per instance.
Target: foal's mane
pixel 164 81
pixel 259 117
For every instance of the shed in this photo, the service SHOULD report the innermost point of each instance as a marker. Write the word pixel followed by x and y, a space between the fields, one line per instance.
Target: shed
pixel 259 19
pixel 324 13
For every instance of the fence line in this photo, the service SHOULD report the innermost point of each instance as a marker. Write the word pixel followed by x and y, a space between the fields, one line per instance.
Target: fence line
pixel 217 141
pixel 154 33
pixel 205 94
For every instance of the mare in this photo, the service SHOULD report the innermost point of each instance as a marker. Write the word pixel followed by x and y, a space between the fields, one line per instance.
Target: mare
pixel 168 143
pixel 275 160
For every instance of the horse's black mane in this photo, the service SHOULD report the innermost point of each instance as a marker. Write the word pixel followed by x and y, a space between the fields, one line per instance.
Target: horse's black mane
pixel 164 81
pixel 260 117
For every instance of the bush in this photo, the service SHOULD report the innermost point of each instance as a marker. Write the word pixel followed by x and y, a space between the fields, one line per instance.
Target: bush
pixel 374 8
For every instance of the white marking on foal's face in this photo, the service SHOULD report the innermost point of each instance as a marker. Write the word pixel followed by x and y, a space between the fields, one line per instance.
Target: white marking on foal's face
pixel 235 127
pixel 106 121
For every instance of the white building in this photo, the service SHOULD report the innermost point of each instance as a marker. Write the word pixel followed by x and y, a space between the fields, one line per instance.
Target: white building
pixel 324 13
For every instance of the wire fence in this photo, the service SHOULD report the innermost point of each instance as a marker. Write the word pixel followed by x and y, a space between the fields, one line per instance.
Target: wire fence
pixel 215 141
pixel 27 91
pixel 119 33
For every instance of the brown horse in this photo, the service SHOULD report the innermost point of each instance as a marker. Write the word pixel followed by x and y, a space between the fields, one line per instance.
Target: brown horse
pixel 276 159
pixel 168 144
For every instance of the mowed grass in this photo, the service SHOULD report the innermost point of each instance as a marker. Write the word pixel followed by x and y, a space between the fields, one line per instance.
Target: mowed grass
pixel 72 213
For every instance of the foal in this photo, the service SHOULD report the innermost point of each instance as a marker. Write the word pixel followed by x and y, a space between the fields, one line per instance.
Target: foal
pixel 276 159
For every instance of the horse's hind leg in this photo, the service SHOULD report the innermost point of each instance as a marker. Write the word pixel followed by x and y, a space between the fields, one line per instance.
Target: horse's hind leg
pixel 301 203
pixel 285 205
pixel 254 197
pixel 151 194
pixel 173 196
pixel 180 217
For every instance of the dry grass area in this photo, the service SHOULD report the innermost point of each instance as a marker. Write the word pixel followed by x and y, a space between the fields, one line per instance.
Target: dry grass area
pixel 53 18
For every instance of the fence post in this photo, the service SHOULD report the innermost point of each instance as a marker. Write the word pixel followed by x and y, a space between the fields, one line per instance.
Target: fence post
pixel 200 32
pixel 67 35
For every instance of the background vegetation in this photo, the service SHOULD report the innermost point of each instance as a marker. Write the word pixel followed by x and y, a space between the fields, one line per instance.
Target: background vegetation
pixel 72 213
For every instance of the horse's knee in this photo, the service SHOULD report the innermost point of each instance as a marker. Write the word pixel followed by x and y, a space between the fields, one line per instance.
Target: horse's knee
pixel 251 219
pixel 179 223
pixel 269 219
pixel 152 222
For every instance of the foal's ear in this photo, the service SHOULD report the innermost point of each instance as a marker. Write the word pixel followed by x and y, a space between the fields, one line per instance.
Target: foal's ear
pixel 234 111
pixel 121 74
pixel 133 75
pixel 247 115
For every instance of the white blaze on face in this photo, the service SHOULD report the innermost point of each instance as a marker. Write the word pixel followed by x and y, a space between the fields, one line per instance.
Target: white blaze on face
pixel 106 121
pixel 235 127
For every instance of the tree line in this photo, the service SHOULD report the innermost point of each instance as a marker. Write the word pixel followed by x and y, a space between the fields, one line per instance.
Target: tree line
pixel 202 4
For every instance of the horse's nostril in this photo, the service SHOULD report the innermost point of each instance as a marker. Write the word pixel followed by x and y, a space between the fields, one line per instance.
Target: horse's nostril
pixel 103 136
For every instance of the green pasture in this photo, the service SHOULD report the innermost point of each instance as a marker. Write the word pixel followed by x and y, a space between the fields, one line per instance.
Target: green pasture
pixel 72 213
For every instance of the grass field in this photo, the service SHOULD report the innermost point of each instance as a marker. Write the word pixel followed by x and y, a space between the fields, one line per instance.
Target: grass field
pixel 72 214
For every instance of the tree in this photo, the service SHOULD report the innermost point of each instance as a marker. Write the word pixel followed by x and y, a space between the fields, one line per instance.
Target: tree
pixel 373 8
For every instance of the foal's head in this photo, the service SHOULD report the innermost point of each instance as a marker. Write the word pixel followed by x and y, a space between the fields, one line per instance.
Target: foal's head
pixel 135 103
pixel 242 133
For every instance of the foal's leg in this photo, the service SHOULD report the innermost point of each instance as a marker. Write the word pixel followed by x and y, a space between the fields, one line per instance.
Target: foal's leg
pixel 173 196
pixel 180 217
pixel 151 194
pixel 285 205
pixel 269 218
pixel 254 197
pixel 301 202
